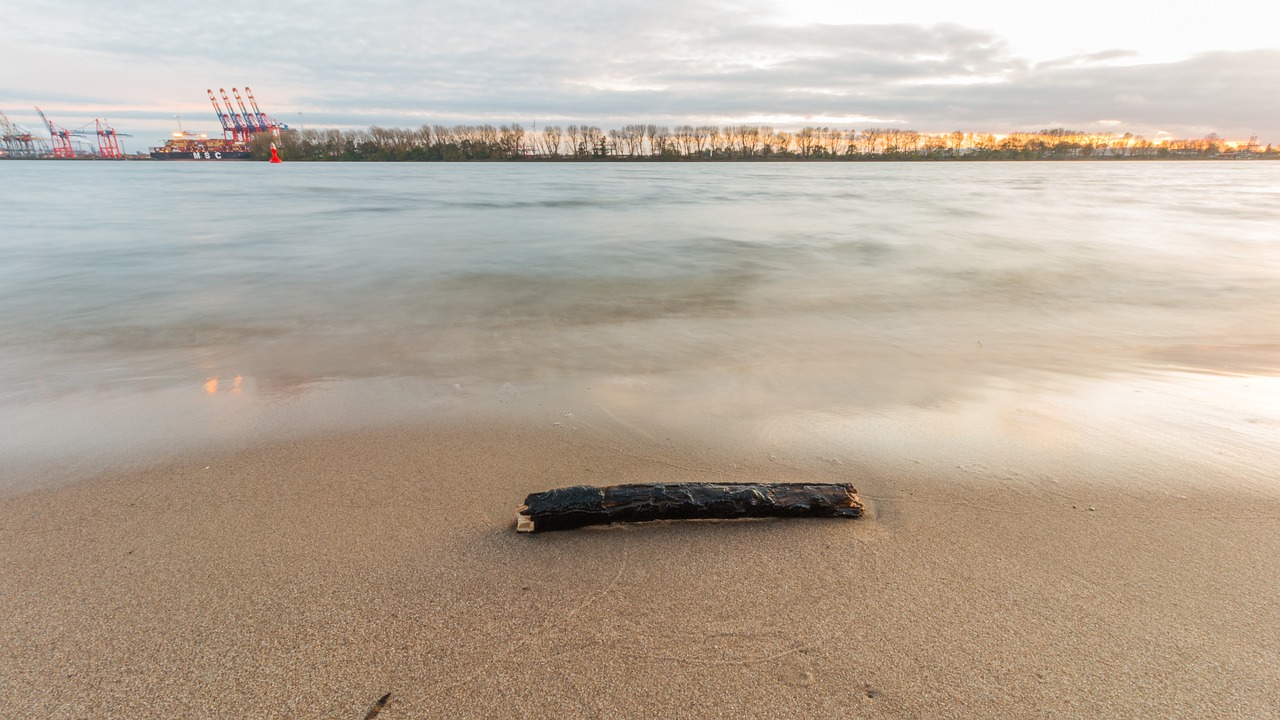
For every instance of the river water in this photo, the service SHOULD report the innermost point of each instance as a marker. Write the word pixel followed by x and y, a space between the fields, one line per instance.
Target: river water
pixel 152 309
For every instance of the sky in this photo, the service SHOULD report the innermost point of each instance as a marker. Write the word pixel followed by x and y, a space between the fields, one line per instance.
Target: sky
pixel 1155 69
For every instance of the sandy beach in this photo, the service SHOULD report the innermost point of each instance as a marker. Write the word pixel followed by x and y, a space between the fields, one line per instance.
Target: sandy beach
pixel 308 578
pixel 268 467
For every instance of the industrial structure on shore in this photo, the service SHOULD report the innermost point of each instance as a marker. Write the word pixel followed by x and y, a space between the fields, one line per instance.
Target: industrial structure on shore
pixel 238 130
pixel 97 139
pixel 245 125
pixel 18 142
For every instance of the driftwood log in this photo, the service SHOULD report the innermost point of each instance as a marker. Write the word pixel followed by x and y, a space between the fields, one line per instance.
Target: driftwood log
pixel 581 505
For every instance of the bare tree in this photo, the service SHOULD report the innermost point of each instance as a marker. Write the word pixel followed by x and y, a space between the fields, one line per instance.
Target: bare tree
pixel 851 140
pixel 575 141
pixel 593 141
pixel 511 140
pixel 780 142
pixel 806 140
pixel 751 141
pixel 463 142
pixel 684 139
pixel 659 139
pixel 703 136
pixel 551 138
pixel 870 141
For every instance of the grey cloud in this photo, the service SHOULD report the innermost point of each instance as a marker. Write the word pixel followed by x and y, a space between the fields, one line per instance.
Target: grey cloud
pixel 394 62
pixel 1086 59
pixel 1233 92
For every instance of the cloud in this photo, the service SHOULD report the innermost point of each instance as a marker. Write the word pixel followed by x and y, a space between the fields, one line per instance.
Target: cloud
pixel 395 62
pixel 1237 93
pixel 1102 57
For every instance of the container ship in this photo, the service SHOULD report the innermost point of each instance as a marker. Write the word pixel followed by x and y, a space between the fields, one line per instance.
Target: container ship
pixel 238 129
pixel 189 146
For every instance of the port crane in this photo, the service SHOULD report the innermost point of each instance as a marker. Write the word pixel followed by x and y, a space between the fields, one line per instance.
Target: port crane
pixel 108 139
pixel 19 142
pixel 249 119
pixel 263 119
pixel 227 126
pixel 59 138
pixel 243 125
pixel 232 124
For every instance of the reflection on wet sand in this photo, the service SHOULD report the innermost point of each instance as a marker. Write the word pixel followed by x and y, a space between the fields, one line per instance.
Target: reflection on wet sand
pixel 212 384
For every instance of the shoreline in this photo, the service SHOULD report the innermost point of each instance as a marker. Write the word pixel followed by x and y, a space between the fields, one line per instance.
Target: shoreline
pixel 649 160
pixel 309 577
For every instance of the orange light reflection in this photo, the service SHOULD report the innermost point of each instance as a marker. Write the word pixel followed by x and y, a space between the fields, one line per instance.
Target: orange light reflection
pixel 212 385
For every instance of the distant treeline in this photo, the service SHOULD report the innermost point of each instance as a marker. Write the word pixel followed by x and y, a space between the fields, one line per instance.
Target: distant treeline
pixel 734 142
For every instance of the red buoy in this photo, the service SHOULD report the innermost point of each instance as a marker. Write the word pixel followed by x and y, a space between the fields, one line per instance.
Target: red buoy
pixel 275 157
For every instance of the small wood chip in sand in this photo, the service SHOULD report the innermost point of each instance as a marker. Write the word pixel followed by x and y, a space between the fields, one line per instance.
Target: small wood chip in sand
pixel 377 707
pixel 582 505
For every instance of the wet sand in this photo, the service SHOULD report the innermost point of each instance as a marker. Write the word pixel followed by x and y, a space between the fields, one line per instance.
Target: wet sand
pixel 308 578
pixel 268 466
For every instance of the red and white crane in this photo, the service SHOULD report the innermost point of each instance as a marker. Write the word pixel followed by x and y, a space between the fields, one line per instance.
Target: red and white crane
pixel 228 127
pixel 59 138
pixel 108 139
pixel 263 120
pixel 249 119
pixel 244 125
pixel 243 130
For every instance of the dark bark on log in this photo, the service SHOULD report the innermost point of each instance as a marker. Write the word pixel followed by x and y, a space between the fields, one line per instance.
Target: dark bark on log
pixel 581 505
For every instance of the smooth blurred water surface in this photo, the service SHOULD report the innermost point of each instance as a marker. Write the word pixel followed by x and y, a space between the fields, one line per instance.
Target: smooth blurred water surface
pixel 132 295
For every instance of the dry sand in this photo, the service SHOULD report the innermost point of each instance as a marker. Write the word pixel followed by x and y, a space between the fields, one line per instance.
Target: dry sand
pixel 308 578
